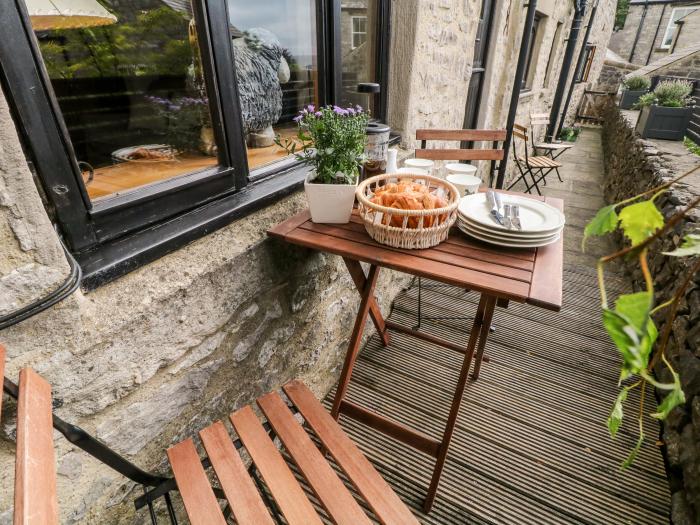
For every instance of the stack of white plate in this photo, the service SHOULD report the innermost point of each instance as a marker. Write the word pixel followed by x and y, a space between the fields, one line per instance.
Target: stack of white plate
pixel 541 223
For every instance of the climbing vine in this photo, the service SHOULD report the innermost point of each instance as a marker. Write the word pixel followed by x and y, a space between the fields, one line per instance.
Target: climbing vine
pixel 629 322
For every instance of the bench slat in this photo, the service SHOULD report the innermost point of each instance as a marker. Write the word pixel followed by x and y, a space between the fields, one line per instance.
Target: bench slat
pixel 386 505
pixel 334 495
pixel 200 502
pixel 290 497
pixel 35 468
pixel 246 503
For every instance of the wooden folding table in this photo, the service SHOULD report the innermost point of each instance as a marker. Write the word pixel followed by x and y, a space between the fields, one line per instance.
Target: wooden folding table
pixel 500 275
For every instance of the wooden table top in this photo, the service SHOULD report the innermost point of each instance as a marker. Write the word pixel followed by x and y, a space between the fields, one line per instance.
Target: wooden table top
pixel 531 275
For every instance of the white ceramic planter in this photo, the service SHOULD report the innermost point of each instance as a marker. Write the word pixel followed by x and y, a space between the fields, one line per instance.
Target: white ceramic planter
pixel 329 203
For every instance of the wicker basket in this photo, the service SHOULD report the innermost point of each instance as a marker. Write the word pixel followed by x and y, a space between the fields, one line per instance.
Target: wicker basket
pixel 375 216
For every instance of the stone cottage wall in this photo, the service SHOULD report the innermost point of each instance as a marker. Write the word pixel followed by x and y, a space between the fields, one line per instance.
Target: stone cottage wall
pixel 632 166
pixel 152 357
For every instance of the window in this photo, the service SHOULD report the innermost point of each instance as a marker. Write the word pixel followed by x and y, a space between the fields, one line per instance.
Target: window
pixel 149 122
pixel 275 50
pixel 359 31
pixel 532 52
pixel 586 63
pixel 553 53
pixel 676 15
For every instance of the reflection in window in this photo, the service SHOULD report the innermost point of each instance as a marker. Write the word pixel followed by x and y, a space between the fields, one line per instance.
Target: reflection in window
pixel 358 50
pixel 128 83
pixel 274 46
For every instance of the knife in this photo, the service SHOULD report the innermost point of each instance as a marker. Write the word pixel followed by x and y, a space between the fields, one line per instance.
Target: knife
pixel 495 212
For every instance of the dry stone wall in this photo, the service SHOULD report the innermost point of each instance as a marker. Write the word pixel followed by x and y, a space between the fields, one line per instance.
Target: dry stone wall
pixel 632 166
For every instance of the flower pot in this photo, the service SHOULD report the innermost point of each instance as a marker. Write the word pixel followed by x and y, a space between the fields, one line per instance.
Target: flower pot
pixel 658 122
pixel 630 98
pixel 329 203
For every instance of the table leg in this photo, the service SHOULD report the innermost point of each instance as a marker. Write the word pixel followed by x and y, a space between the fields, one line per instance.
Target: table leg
pixel 358 276
pixel 479 332
pixel 355 339
pixel 488 317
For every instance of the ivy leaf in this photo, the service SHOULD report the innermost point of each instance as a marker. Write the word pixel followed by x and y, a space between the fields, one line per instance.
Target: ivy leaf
pixel 634 452
pixel 689 247
pixel 605 221
pixel 640 220
pixel 615 419
pixel 635 307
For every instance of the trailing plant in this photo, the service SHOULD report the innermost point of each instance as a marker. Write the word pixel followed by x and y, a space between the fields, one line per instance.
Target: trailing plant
pixel 629 322
pixel 636 83
pixel 669 93
pixel 692 146
pixel 332 140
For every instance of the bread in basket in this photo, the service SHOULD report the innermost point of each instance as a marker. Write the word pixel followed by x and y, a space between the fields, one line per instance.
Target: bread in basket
pixel 403 210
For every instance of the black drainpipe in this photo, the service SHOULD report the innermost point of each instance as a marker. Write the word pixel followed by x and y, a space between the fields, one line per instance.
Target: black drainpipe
pixel 517 85
pixel 639 31
pixel 579 9
pixel 656 34
pixel 579 66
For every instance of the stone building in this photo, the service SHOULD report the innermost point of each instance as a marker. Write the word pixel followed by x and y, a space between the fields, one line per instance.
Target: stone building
pixel 652 30
pixel 186 309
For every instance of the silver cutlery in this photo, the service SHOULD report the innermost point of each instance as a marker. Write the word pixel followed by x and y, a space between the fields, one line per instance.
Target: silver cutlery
pixel 507 216
pixel 515 216
pixel 495 211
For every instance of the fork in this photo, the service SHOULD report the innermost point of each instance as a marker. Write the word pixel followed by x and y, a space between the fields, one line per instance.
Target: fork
pixel 515 216
pixel 508 216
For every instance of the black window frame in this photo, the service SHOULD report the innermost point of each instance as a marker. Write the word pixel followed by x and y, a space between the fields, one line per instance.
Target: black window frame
pixel 532 45
pixel 117 234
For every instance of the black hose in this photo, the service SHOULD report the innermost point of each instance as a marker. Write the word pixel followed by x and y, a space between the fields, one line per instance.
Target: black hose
pixel 70 285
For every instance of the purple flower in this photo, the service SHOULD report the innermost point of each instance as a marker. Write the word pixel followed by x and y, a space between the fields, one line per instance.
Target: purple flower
pixel 311 108
pixel 318 114
pixel 298 118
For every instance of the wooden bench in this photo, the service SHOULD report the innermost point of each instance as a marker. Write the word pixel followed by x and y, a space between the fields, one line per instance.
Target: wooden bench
pixel 35 464
pixel 246 494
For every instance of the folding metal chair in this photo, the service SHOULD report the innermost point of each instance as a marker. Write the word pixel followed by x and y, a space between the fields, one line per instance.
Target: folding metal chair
pixel 537 167
pixel 553 149
pixel 466 137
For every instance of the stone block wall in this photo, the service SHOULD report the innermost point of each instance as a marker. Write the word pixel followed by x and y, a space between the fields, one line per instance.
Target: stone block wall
pixel 632 166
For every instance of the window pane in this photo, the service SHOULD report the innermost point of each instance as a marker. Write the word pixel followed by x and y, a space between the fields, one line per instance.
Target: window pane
pixel 128 79
pixel 274 44
pixel 358 19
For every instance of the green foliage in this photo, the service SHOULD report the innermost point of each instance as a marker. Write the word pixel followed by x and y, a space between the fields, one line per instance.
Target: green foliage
pixel 669 93
pixel 154 42
pixel 640 220
pixel 569 134
pixel 332 140
pixel 692 146
pixel 637 83
pixel 647 99
pixel 623 7
pixel 605 221
pixel 629 324
pixel 689 247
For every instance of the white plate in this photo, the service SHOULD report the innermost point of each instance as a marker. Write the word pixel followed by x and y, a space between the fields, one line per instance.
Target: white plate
pixel 508 243
pixel 507 234
pixel 535 216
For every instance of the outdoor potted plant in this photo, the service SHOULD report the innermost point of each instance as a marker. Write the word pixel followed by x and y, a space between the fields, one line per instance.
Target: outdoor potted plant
pixel 664 112
pixel 635 86
pixel 569 134
pixel 331 140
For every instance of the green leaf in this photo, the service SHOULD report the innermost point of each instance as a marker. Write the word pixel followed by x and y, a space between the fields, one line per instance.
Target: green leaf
pixel 615 419
pixel 633 453
pixel 689 247
pixel 635 307
pixel 672 400
pixel 605 221
pixel 640 220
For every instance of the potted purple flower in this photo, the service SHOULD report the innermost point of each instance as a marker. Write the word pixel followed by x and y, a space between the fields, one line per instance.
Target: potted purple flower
pixel 331 140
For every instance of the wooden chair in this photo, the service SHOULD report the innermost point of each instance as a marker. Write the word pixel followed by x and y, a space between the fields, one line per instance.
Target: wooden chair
pixel 251 497
pixel 466 137
pixel 537 167
pixel 553 149
pixel 35 500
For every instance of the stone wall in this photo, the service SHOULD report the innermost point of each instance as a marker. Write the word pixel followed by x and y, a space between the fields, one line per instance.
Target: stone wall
pixel 152 357
pixel 632 166
pixel 613 73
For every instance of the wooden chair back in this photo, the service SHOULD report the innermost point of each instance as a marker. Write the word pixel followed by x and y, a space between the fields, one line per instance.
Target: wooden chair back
pixel 520 132
pixel 537 119
pixel 460 135
pixel 35 463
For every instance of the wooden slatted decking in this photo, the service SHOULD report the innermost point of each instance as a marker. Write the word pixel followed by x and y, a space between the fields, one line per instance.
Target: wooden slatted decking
pixel 531 444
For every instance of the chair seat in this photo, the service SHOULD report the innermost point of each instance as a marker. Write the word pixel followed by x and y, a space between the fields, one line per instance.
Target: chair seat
pixel 248 504
pixel 540 162
pixel 553 146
